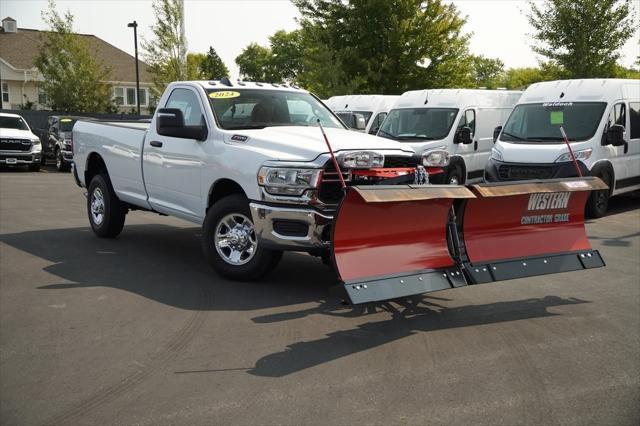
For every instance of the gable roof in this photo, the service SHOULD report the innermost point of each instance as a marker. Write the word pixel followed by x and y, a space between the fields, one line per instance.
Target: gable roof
pixel 20 49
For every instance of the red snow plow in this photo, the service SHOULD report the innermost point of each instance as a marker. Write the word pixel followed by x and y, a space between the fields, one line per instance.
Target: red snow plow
pixel 400 240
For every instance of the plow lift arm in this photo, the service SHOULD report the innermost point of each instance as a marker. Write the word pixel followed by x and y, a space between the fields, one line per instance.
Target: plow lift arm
pixel 401 240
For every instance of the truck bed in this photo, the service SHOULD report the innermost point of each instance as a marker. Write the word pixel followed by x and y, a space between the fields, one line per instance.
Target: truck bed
pixel 120 144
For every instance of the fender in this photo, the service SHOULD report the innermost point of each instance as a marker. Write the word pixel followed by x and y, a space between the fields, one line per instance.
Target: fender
pixel 601 165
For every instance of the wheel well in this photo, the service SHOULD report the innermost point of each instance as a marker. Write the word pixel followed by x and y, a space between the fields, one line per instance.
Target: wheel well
pixel 605 165
pixel 95 166
pixel 223 188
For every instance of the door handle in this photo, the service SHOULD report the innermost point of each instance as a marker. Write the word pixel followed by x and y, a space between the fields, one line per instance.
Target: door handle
pixel 156 144
pixel 475 145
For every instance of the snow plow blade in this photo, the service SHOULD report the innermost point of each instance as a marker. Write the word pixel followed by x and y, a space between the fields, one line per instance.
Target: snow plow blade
pixel 391 241
pixel 523 229
pixel 397 241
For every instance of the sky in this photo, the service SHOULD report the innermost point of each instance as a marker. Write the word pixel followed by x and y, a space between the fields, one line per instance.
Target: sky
pixel 500 28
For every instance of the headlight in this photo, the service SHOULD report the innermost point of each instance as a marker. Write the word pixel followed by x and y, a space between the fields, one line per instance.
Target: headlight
pixel 435 158
pixel 496 155
pixel 35 141
pixel 580 155
pixel 361 160
pixel 286 181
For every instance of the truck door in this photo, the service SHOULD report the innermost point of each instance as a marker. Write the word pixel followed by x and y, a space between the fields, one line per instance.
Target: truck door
pixel 172 166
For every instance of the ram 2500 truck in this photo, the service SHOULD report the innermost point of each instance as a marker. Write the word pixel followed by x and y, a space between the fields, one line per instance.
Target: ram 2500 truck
pixel 247 161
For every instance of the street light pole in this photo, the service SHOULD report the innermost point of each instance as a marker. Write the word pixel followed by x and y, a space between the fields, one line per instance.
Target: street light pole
pixel 134 25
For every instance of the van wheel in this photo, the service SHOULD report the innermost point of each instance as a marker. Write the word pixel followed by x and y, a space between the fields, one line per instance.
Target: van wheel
pixel 454 175
pixel 230 244
pixel 61 166
pixel 599 200
pixel 106 212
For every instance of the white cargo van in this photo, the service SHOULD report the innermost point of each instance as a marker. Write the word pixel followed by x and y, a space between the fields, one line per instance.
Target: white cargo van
pixel 364 113
pixel 601 118
pixel 460 121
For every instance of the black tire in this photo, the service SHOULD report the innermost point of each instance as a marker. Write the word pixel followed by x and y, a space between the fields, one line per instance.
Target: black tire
pixel 114 211
pixel 257 264
pixel 454 175
pixel 61 165
pixel 599 200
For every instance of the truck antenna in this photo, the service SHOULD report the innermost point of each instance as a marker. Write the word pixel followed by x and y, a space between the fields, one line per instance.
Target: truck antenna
pixel 333 157
pixel 573 157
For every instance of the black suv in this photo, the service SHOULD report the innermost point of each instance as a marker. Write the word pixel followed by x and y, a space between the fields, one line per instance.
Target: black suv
pixel 57 140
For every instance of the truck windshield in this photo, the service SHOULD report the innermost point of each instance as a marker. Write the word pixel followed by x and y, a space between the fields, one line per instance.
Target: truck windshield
pixel 256 109
pixel 13 123
pixel 418 124
pixel 66 124
pixel 540 123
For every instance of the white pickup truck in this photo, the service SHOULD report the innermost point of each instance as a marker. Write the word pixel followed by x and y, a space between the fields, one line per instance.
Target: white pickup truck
pixel 247 161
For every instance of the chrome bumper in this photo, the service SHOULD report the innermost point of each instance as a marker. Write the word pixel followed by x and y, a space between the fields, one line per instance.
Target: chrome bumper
pixel 20 157
pixel 317 237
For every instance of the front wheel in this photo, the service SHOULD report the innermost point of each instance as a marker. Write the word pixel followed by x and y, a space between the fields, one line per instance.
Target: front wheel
pixel 599 200
pixel 230 243
pixel 106 212
pixel 61 166
pixel 454 175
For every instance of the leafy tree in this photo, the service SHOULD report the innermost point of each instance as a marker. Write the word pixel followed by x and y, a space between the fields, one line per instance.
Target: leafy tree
pixel 255 63
pixel 212 67
pixel 487 72
pixel 164 53
pixel 194 66
pixel 286 55
pixel 74 80
pixel 583 36
pixel 382 46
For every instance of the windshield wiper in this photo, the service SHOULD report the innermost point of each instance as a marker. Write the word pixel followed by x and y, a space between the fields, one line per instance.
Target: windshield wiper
pixel 247 127
pixel 388 135
pixel 548 138
pixel 511 135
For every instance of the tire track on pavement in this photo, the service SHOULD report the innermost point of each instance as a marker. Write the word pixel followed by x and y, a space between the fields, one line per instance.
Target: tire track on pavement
pixel 171 350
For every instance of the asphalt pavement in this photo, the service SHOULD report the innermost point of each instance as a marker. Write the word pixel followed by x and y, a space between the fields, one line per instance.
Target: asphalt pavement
pixel 140 330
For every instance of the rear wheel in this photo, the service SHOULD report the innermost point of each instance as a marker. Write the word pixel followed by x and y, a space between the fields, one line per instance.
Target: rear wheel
pixel 230 243
pixel 106 212
pixel 599 200
pixel 61 166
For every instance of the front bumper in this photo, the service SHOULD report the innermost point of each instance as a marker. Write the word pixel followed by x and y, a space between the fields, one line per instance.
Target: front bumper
pixel 18 157
pixel 67 156
pixel 291 228
pixel 500 171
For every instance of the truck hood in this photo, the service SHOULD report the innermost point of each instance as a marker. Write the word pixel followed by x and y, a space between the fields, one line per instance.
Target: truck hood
pixel 536 152
pixel 17 134
pixel 297 143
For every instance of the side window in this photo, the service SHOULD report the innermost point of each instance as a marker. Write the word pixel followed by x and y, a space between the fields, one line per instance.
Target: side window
pixel 618 115
pixel 634 119
pixel 468 120
pixel 187 101
pixel 377 122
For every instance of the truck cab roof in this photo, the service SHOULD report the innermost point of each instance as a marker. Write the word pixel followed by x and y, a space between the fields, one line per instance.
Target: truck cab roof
pixel 233 84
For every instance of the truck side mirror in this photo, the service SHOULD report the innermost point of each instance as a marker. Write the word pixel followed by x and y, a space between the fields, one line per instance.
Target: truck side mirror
pixel 496 133
pixel 170 122
pixel 463 135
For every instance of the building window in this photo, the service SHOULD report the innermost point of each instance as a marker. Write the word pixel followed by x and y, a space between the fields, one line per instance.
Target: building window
pixel 42 97
pixel 5 92
pixel 131 96
pixel 118 95
pixel 143 97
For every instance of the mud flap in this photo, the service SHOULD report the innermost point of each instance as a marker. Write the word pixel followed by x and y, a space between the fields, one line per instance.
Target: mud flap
pixel 391 241
pixel 523 229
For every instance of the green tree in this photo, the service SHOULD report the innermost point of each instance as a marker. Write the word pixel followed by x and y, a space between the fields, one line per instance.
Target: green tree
pixel 521 78
pixel 382 46
pixel 487 72
pixel 164 53
pixel 74 80
pixel 213 67
pixel 254 63
pixel 286 55
pixel 584 37
pixel 194 66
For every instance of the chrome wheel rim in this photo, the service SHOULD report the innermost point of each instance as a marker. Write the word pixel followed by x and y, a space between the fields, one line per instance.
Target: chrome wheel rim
pixel 453 180
pixel 97 206
pixel 58 160
pixel 235 239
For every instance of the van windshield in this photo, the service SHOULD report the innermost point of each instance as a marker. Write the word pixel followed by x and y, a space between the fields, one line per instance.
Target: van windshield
pixel 540 123
pixel 66 124
pixel 237 109
pixel 418 124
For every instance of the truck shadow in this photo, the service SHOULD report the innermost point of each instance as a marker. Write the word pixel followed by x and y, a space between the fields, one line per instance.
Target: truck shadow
pixel 166 264
pixel 408 317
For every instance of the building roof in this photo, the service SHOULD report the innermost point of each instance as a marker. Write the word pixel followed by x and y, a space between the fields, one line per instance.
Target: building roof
pixel 20 49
